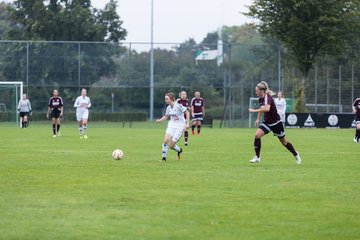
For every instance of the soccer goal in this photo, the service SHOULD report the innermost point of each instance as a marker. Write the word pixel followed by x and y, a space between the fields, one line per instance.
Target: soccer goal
pixel 10 94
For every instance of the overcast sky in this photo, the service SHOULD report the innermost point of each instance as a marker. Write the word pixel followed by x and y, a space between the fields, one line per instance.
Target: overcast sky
pixel 177 21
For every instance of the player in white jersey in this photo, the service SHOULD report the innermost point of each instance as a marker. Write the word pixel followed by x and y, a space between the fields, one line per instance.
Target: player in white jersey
pixel 82 105
pixel 176 126
pixel 280 104
pixel 24 109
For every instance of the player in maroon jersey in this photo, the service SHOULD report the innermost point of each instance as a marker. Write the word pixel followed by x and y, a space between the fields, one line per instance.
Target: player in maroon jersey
pixel 356 110
pixel 56 106
pixel 197 112
pixel 272 122
pixel 185 102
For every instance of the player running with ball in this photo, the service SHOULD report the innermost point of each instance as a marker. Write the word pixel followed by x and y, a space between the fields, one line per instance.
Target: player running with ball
pixel 82 105
pixel 272 122
pixel 176 126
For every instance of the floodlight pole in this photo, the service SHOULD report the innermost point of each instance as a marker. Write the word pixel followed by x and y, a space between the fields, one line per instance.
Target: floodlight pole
pixel 151 117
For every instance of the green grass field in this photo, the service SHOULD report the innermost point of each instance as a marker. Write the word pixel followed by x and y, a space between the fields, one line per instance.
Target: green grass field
pixel 67 188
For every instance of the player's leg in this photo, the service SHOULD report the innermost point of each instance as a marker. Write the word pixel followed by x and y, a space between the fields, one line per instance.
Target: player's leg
pixel 175 138
pixel 84 125
pixel 198 127
pixel 25 119
pixel 186 137
pixel 291 149
pixel 81 129
pixel 22 120
pixel 85 117
pixel 260 132
pixel 53 122
pixel 194 124
pixel 164 151
pixel 58 126
pixel 279 131
pixel 357 132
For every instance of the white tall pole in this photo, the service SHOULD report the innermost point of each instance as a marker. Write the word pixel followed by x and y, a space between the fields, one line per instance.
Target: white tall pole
pixel 152 63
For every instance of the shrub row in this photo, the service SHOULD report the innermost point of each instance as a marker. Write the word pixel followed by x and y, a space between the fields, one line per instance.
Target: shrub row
pixel 94 116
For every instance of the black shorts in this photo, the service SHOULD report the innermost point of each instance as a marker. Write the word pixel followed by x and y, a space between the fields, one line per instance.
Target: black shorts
pixel 198 117
pixel 55 113
pixel 23 114
pixel 277 129
pixel 357 120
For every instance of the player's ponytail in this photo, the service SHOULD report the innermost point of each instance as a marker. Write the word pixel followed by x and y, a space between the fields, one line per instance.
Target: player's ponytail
pixel 265 87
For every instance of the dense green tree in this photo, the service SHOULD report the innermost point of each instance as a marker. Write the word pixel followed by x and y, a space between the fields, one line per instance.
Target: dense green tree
pixel 65 20
pixel 307 28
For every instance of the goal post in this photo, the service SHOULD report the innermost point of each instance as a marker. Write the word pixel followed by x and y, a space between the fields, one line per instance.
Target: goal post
pixel 10 94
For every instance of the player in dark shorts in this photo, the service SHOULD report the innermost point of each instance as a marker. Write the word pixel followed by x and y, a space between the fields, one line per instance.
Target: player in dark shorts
pixel 271 122
pixel 356 110
pixel 56 107
pixel 184 102
pixel 197 112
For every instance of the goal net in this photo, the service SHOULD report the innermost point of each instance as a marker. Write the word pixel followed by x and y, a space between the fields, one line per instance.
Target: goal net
pixel 10 94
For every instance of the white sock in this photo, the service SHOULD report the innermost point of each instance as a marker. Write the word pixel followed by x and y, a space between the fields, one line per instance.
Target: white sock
pixel 81 130
pixel 164 150
pixel 177 148
pixel 84 128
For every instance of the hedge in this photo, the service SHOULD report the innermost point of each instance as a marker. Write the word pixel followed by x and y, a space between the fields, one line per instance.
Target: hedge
pixel 94 116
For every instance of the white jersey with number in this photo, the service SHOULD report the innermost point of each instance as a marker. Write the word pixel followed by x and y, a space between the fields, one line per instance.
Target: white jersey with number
pixel 176 114
pixel 24 105
pixel 82 105
pixel 281 107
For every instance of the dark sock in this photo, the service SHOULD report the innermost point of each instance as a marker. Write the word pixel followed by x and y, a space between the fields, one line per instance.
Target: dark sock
pixel 186 135
pixel 25 124
pixel 357 133
pixel 257 146
pixel 54 129
pixel 198 129
pixel 22 124
pixel 192 128
pixel 291 148
pixel 58 128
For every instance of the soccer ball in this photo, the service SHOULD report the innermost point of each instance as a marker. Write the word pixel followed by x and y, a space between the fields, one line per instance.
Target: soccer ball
pixel 117 154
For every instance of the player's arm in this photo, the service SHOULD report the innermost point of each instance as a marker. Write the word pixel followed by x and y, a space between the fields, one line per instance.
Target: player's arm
pixel 165 117
pixel 89 104
pixel 29 106
pixel 187 120
pixel 192 110
pixel 354 109
pixel 203 110
pixel 76 104
pixel 262 109
pixel 48 111
pixel 18 108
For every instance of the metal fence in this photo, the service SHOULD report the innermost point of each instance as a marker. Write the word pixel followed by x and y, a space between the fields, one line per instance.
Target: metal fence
pixel 117 76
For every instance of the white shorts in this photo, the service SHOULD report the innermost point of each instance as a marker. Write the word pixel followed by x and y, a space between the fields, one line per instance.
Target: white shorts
pixel 175 133
pixel 82 115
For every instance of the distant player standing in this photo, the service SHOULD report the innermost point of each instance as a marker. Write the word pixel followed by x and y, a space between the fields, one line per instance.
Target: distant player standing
pixel 197 112
pixel 56 106
pixel 280 104
pixel 176 126
pixel 271 122
pixel 356 110
pixel 184 102
pixel 24 108
pixel 82 105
